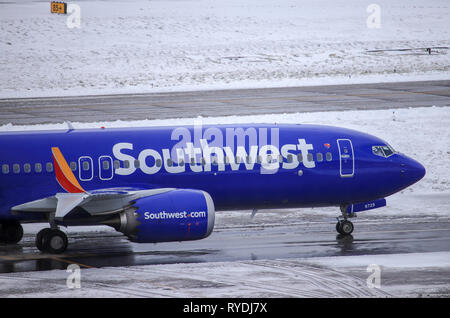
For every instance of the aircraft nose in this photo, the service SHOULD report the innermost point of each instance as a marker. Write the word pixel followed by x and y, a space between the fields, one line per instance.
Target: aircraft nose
pixel 412 170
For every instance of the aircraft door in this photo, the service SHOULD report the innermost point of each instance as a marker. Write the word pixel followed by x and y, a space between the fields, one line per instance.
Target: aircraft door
pixel 346 158
pixel 105 168
pixel 86 168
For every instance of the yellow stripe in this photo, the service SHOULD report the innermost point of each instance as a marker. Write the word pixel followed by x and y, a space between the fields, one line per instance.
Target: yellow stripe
pixel 62 260
pixel 62 163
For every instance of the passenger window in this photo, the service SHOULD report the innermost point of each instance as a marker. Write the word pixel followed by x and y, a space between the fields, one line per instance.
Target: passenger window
pixel 5 169
pixel 319 156
pixel 27 168
pixel 329 156
pixel 106 164
pixel 116 164
pixel 300 157
pixel 49 167
pixel 85 165
pixel 16 168
pixel 170 162
pixel 310 157
pixel 137 164
pixel 158 163
pixel 73 166
pixel 37 167
pixel 126 164
pixel 290 158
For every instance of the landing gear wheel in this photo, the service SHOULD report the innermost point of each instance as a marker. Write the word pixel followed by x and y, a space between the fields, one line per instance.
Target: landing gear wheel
pixel 40 239
pixel 51 241
pixel 11 232
pixel 344 227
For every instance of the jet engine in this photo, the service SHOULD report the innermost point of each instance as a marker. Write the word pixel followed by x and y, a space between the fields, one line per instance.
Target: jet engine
pixel 176 215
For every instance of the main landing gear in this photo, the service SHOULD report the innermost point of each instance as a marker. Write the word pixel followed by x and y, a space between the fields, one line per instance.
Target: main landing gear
pixel 51 240
pixel 11 232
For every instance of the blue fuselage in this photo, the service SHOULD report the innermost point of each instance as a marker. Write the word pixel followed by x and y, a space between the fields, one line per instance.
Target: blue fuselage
pixel 240 166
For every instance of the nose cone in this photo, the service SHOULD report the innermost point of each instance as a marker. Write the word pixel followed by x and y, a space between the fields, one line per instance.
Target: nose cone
pixel 412 170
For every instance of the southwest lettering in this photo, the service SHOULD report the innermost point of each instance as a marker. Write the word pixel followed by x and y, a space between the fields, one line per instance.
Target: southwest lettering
pixel 269 158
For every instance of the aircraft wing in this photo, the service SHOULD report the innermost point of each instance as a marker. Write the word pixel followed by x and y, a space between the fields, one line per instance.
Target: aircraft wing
pixel 100 202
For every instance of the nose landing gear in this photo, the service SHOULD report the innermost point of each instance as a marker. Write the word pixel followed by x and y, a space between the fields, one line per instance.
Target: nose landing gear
pixel 344 227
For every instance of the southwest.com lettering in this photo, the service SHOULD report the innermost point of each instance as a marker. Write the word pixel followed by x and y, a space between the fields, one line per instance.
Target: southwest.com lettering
pixel 163 215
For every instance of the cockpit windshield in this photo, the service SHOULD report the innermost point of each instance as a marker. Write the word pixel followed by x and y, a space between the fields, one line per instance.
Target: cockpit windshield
pixel 383 151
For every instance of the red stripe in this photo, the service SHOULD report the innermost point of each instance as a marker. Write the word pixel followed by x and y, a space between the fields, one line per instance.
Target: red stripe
pixel 62 180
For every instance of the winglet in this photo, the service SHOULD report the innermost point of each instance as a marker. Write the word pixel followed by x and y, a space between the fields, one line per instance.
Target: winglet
pixel 64 174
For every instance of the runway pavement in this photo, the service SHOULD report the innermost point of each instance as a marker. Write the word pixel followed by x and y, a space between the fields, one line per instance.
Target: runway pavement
pixel 273 258
pixel 236 238
pixel 224 102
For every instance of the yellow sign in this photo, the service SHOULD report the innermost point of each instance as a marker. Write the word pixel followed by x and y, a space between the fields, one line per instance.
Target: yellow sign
pixel 58 7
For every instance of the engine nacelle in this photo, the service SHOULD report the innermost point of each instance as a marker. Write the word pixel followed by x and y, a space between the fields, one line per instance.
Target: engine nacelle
pixel 176 215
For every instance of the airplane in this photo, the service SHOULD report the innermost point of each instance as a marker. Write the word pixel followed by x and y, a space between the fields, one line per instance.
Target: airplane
pixel 165 184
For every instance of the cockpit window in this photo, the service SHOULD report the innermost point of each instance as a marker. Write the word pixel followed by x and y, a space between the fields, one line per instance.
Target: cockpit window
pixel 387 151
pixel 383 151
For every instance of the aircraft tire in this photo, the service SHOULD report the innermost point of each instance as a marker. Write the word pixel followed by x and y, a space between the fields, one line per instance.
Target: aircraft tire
pixel 55 241
pixel 40 239
pixel 345 227
pixel 11 232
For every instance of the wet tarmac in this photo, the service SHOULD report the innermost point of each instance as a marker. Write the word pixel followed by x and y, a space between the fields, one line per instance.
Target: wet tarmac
pixel 305 238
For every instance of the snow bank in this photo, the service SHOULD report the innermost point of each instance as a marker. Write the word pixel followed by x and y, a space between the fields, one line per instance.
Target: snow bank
pixel 151 46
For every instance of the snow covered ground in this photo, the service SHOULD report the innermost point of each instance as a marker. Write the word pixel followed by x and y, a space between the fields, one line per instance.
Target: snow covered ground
pixel 348 276
pixel 153 46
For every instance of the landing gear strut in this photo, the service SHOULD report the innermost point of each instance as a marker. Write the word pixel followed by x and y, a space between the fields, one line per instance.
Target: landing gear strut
pixel 11 232
pixel 52 240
